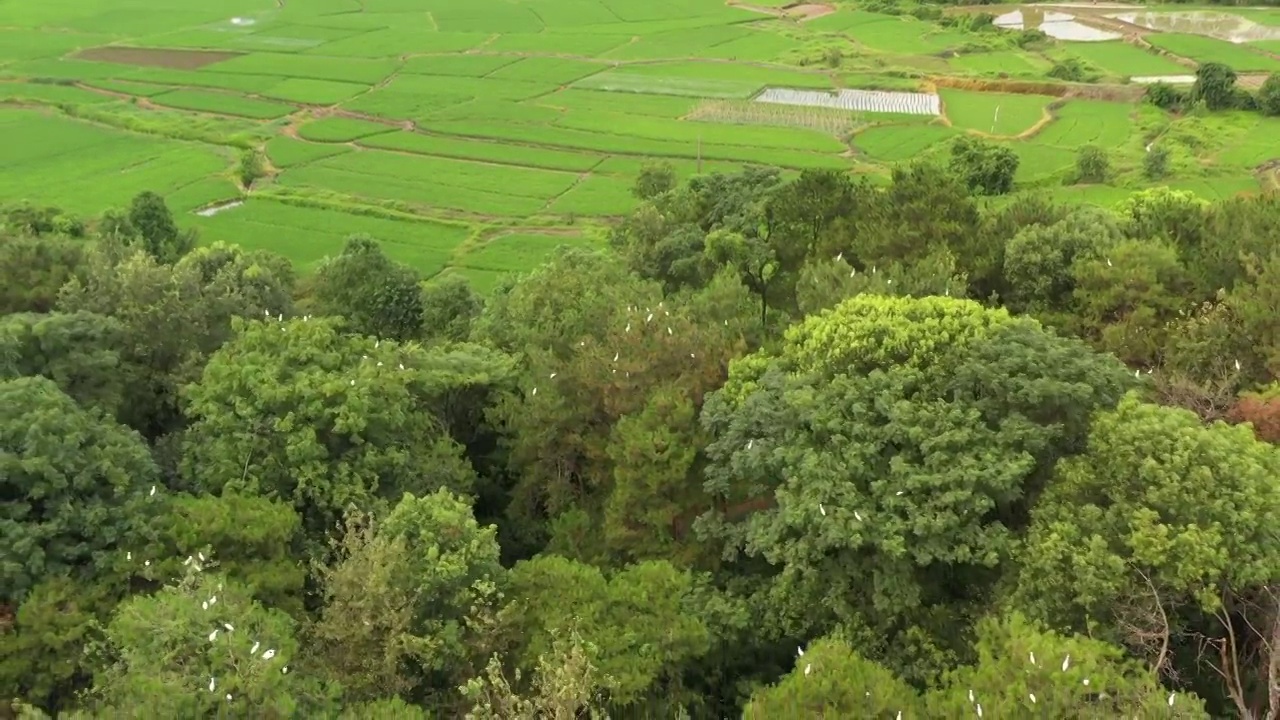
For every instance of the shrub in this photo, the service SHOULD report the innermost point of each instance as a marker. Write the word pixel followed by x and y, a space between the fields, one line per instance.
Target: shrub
pixel 1092 165
pixel 1156 163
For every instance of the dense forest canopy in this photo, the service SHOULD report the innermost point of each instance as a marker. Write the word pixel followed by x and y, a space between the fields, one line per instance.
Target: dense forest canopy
pixel 788 447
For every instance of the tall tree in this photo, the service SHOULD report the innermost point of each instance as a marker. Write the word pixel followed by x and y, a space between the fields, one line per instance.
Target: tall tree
pixel 377 295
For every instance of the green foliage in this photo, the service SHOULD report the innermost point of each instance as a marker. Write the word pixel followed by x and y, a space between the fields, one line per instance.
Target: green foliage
pixel 1166 96
pixel 1214 86
pixel 293 409
pixel 654 179
pixel 33 268
pixel 77 486
pixel 986 167
pixel 1269 95
pixel 449 308
pixel 377 296
pixel 250 167
pixel 1092 165
pixel 78 351
pixel 830 678
pixel 151 224
pixel 1155 163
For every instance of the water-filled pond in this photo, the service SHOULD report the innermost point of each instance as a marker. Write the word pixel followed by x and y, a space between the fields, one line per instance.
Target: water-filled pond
pixel 1060 26
pixel 1224 26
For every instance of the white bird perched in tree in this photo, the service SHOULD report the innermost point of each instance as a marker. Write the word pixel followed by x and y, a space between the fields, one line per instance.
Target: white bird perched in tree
pixel 153 487
pixel 856 516
pixel 979 706
pixel 898 716
pixel 187 561
pixel 228 697
pixel 750 443
pixel 284 670
pixel 853 271
pixel 379 363
pixel 128 555
pixel 668 329
pixel 401 366
pixel 807 668
pixel 212 684
pixel 616 356
pixel 1137 374
pixel 552 376
pixel 1237 364
pixel 799 652
pixel 899 493
pixel 1066 662
pixel 213 635
pixel 1033 698
pixel 628 328
pixel 839 256
pixel 254 650
pixel 650 317
pixel 213 600
pixel 204 605
pixel 376 343
pixel 822 510
pixel 146 563
pixel 267 313
pixel 200 555
pixel 970 694
pixel 1085 682
pixel 535 392
pixel 1109 263
pixel 269 654
pixel 228 626
pixel 1171 697
pixel 353 382
pixel 1032 656
pixel 280 318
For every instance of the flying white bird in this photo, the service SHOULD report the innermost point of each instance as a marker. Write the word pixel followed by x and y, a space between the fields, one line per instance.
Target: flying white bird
pixel 213 635
pixel 212 684
pixel 822 510
pixel 254 650
pixel 552 376
pixel 1066 662
pixel 269 654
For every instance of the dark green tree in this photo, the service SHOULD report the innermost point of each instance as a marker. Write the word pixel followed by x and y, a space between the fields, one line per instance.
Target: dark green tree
pixel 986 168
pixel 1214 86
pixel 375 294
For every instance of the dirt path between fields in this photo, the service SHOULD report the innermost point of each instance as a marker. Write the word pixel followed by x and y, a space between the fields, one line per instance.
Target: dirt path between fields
pixel 800 12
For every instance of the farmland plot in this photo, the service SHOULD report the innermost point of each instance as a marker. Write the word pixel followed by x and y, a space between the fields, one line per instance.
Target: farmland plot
pixel 341 129
pixel 222 104
pixel 1206 49
pixel 994 113
pixel 512 254
pixel 896 143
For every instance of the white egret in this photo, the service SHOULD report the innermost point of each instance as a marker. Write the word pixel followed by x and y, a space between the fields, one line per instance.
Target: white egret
pixel 750 443
pixel 535 392
pixel 128 555
pixel 799 652
pixel 668 329
pixel 146 563
pixel 284 670
pixel 204 605
pixel 200 555
pixel 1066 662
pixel 153 487
pixel 1171 697
pixel 280 318
pixel 213 635
pixel 401 366
pixel 1109 263
pixel 213 600
pixel 212 684
pixel 615 356
pixel 552 376
pixel 839 256
pixel 979 706
pixel 628 329
pixel 1085 682
pixel 1237 364
pixel 807 668
pixel 228 626
pixel 856 516
pixel 650 317
pixel 1032 657
pixel 269 654
pixel 822 510
pixel 187 561
pixel 1033 698
pixel 970 694
pixel 254 650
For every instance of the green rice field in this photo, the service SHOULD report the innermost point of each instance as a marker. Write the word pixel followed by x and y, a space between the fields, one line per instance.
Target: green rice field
pixel 474 137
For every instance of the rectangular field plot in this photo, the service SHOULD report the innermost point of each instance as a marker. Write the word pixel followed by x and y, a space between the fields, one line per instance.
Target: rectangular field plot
pixel 1206 49
pixel 499 153
pixel 456 65
pixel 20 92
pixel 905 35
pixel 19 44
pixel 1082 122
pixel 473 17
pixel 760 45
pixel 396 41
pixel 567 138
pixel 547 70
pixel 651 128
pixel 417 96
pixel 873 101
pixel 1004 62
pixel 85 169
pixel 314 92
pixel 707 80
pixel 341 129
pixel 307 235
pixel 285 152
pixel 596 196
pixel 1124 60
pixel 509 254
pixel 434 182
pixel 201 193
pixel 896 143
pixel 202 79
pixel 579 44
pixel 315 67
pixel 667 106
pixel 995 113
pixel 222 104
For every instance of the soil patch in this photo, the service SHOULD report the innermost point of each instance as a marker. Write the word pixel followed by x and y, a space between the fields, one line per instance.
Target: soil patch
pixel 808 11
pixel 156 57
